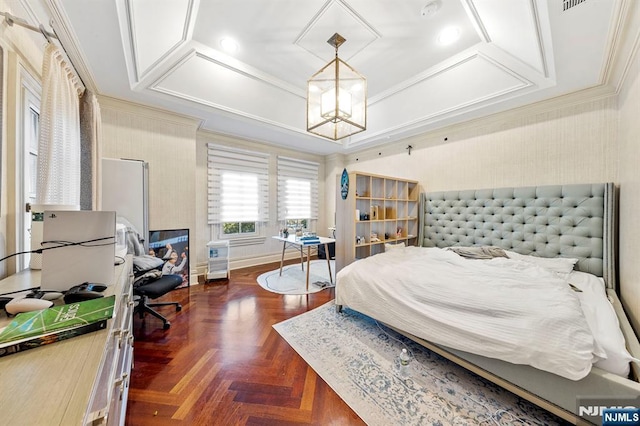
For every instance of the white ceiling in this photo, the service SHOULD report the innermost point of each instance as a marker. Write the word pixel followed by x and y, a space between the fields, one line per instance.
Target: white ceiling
pixel 167 54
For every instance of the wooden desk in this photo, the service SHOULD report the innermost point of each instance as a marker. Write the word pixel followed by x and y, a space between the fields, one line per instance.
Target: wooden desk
pixel 291 241
pixel 79 381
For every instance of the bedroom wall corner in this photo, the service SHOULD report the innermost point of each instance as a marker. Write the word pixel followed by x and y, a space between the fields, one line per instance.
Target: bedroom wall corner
pixel 167 142
pixel 629 182
pixel 334 164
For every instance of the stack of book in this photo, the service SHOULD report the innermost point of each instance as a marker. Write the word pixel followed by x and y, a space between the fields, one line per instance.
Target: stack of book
pixel 37 328
pixel 309 240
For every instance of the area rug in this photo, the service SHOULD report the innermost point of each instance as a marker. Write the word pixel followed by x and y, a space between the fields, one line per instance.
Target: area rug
pixel 293 279
pixel 359 359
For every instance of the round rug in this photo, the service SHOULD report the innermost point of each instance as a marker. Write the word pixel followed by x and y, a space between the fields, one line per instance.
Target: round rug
pixel 293 279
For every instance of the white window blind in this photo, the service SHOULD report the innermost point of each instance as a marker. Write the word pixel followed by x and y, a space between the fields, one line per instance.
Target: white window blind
pixel 238 185
pixel 297 189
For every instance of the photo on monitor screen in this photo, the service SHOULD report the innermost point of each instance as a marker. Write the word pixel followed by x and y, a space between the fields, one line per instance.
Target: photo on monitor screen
pixel 172 246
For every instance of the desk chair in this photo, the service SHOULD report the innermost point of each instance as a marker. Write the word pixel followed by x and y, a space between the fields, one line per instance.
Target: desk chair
pixel 153 290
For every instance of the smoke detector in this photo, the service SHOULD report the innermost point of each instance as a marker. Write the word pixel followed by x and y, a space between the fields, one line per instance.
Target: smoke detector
pixel 430 9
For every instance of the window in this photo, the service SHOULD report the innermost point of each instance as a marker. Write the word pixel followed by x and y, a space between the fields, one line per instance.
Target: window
pixel 296 223
pixel 297 192
pixel 238 228
pixel 28 165
pixel 31 141
pixel 238 190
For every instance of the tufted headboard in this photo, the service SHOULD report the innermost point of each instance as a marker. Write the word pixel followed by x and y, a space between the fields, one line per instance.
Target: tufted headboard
pixel 549 221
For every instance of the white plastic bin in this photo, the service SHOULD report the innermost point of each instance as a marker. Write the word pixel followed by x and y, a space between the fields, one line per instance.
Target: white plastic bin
pixel 218 265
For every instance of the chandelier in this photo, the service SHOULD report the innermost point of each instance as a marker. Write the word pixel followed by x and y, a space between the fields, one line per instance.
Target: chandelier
pixel 336 98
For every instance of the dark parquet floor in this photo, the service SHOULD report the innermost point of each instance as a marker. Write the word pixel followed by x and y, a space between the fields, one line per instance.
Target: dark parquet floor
pixel 222 363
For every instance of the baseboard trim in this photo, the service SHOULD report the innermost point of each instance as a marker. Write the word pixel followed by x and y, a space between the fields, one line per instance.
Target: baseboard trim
pixel 201 270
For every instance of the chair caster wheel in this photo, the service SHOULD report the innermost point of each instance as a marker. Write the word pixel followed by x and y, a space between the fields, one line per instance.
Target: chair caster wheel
pixel 166 326
pixel 178 308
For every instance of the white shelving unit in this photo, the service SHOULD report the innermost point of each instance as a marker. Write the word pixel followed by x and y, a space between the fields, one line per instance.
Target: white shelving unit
pixel 218 260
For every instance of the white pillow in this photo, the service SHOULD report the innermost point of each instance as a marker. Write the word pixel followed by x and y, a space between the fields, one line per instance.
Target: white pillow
pixel 556 264
pixel 388 246
pixel 603 322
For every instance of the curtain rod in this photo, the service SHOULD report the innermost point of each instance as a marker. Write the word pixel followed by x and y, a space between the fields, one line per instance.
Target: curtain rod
pixel 19 21
pixel 10 19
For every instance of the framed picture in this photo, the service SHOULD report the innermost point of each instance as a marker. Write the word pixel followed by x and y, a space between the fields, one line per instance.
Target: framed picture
pixel 172 246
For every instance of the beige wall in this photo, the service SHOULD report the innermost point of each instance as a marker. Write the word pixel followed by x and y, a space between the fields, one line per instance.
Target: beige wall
pixel 542 144
pixel 334 165
pixel 168 143
pixel 629 181
pixel 573 144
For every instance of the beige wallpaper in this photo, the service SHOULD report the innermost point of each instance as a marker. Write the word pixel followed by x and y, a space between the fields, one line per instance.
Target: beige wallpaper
pixel 568 145
pixel 167 143
pixel 545 144
pixel 629 180
pixel 335 164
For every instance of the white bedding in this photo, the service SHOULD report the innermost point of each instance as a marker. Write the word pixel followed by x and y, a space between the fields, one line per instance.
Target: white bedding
pixel 603 323
pixel 500 308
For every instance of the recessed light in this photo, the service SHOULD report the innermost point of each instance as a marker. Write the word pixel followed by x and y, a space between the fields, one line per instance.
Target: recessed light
pixel 449 35
pixel 229 45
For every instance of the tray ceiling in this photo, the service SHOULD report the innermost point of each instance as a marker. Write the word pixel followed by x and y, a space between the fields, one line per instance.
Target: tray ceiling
pixel 167 54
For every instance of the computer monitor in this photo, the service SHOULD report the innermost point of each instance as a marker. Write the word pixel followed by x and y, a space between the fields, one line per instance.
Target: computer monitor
pixel 78 247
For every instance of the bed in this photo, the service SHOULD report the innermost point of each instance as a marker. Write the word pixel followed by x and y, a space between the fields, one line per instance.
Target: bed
pixel 532 231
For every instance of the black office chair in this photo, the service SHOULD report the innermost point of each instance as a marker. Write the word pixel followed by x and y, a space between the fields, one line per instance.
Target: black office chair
pixel 152 289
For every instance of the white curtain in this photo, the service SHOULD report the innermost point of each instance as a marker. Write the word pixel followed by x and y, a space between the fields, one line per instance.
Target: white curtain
pixel 58 174
pixel 90 152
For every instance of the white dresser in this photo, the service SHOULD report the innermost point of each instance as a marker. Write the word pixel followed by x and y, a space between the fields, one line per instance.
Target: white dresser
pixel 82 380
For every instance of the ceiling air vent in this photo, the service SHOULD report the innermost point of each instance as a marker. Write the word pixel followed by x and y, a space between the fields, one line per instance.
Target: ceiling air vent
pixel 568 4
